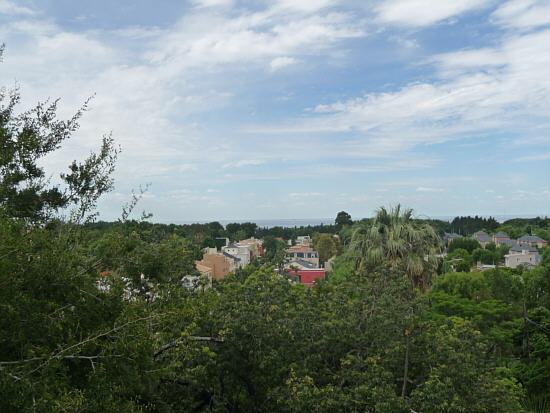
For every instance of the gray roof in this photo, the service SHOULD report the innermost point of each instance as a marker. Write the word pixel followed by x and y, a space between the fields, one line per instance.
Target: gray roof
pixel 520 248
pixel 531 238
pixel 231 256
pixel 501 234
pixel 482 236
pixel 304 263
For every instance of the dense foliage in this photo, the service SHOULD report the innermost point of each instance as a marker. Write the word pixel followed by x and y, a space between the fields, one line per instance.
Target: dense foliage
pixel 468 225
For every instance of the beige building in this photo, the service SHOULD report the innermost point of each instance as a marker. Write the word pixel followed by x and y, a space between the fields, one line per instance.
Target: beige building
pixel 219 264
pixel 532 241
pixel 255 246
pixel 303 253
pixel 522 255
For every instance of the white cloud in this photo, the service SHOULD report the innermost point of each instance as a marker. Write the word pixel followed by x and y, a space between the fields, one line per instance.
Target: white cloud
pixel 418 13
pixel 11 8
pixel 281 62
pixel 522 14
pixel 205 41
pixel 477 92
pixel 309 6
pixel 428 189
pixel 243 163
pixel 305 194
pixel 213 3
pixel 533 158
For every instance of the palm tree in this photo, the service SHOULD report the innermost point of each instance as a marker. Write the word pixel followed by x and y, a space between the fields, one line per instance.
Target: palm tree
pixel 394 238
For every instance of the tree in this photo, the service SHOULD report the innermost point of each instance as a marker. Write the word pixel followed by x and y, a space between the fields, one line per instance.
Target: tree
pixel 25 139
pixel 343 218
pixel 484 256
pixel 460 260
pixel 396 239
pixel 464 243
pixel 326 245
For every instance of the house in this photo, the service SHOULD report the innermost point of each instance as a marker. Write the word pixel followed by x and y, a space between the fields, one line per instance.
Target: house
pixel 219 264
pixel 522 255
pixel 307 277
pixel 483 238
pixel 533 241
pixel 304 240
pixel 206 274
pixel 256 246
pixel 502 238
pixel 300 264
pixel 304 253
pixel 242 252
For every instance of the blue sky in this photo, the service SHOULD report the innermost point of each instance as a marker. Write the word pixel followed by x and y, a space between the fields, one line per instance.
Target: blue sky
pixel 295 109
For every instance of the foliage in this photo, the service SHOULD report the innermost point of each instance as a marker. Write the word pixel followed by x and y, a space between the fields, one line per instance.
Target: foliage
pixel 468 225
pixel 464 243
pixel 326 245
pixel 25 140
pixel 395 238
pixel 343 218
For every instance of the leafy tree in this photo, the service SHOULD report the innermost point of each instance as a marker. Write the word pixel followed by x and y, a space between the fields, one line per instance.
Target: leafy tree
pixel 468 225
pixel 326 245
pixel 396 239
pixel 484 256
pixel 343 218
pixel 460 260
pixel 25 139
pixel 467 244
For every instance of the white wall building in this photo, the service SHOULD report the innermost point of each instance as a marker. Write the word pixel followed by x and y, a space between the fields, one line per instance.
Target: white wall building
pixel 240 251
pixel 522 255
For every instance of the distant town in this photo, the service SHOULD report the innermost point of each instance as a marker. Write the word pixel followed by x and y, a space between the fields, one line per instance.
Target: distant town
pixel 301 263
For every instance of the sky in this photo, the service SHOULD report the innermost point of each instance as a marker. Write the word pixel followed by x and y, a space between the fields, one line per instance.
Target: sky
pixel 243 110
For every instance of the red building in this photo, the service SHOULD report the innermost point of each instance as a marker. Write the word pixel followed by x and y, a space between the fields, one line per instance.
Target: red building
pixel 308 277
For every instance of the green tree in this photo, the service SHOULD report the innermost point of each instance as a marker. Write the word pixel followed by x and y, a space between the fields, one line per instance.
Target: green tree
pixel 25 139
pixel 343 218
pixel 326 245
pixel 467 244
pixel 396 239
pixel 460 260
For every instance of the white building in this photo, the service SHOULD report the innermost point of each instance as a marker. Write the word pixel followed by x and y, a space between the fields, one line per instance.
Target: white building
pixel 304 240
pixel 240 251
pixel 522 255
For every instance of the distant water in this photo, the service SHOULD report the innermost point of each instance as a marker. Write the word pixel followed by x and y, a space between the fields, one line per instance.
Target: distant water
pixel 304 222
pixel 270 223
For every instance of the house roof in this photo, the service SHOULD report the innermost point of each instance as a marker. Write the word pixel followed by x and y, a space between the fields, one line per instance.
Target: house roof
pixel 303 263
pixel 231 256
pixel 202 268
pixel 501 234
pixel 531 238
pixel 482 236
pixel 521 248
pixel 300 248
